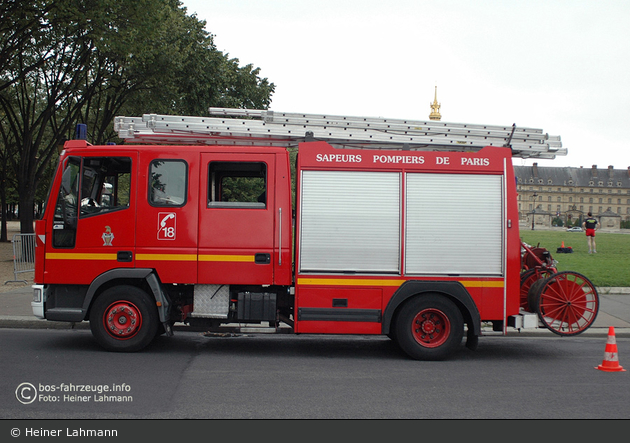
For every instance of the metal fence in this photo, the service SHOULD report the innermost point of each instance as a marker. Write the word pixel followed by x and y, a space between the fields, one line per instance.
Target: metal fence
pixel 23 255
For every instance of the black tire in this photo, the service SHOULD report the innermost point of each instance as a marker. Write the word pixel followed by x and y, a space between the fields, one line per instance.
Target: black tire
pixel 429 327
pixel 533 295
pixel 124 319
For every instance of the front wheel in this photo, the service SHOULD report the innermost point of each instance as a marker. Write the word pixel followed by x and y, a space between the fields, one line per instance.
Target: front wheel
pixel 124 319
pixel 429 327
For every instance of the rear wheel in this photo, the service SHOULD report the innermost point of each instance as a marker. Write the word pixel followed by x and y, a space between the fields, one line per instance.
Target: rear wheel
pixel 429 327
pixel 124 318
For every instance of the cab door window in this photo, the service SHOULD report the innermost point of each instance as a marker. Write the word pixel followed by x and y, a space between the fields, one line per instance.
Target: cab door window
pixel 168 183
pixel 105 185
pixel 237 185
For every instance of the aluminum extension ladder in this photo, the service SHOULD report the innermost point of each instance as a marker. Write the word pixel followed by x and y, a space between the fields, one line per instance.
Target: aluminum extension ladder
pixel 248 127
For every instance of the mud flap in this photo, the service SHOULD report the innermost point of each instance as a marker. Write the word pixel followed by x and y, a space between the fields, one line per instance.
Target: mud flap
pixel 472 340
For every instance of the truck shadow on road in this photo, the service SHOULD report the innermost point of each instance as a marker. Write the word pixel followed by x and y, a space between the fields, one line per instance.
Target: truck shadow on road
pixel 314 346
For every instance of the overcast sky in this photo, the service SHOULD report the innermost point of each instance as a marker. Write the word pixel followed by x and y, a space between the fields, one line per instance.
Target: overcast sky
pixel 561 66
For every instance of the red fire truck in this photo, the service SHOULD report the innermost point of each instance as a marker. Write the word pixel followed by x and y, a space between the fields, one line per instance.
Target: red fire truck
pixel 408 229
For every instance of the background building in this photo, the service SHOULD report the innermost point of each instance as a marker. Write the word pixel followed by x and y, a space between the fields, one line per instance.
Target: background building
pixel 549 196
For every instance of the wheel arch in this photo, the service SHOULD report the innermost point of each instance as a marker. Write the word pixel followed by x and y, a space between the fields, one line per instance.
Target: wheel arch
pixel 453 290
pixel 143 278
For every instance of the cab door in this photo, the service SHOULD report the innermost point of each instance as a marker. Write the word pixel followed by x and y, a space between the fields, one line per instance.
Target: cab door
pixel 92 224
pixel 236 219
pixel 166 223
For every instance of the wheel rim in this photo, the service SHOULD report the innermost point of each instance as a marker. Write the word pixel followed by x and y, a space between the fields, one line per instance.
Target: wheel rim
pixel 568 304
pixel 122 320
pixel 431 328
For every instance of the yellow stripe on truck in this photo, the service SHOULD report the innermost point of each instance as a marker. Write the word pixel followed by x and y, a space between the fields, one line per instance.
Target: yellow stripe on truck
pixel 241 258
pixel 167 257
pixel 151 257
pixel 79 256
pixel 383 282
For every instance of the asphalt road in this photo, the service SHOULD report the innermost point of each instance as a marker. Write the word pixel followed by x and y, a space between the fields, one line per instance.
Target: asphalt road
pixel 263 376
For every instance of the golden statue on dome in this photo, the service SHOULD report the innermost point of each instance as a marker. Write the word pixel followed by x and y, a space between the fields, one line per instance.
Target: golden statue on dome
pixel 435 109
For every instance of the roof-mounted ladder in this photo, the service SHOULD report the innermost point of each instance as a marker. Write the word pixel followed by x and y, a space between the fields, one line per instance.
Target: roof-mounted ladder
pixel 248 127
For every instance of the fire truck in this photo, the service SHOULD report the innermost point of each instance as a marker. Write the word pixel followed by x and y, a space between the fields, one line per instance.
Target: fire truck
pixel 305 223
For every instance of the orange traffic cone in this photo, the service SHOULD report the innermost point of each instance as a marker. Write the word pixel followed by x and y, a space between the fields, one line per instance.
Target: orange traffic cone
pixel 563 244
pixel 611 359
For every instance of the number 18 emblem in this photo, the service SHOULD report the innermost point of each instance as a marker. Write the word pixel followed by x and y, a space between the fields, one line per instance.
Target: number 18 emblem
pixel 166 226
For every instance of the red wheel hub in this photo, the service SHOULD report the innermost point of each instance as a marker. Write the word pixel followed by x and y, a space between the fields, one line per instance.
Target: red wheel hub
pixel 122 320
pixel 431 328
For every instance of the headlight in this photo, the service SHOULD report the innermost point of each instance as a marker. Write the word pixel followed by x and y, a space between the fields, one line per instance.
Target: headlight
pixel 37 294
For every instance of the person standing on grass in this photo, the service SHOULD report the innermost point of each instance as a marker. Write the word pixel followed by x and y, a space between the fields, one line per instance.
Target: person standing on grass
pixel 590 225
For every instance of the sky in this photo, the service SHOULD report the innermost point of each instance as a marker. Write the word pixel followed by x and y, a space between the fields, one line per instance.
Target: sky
pixel 562 66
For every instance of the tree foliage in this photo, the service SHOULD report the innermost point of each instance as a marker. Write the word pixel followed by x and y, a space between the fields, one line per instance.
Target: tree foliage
pixel 64 62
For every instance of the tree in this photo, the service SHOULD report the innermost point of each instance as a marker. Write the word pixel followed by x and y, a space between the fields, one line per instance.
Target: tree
pixel 20 25
pixel 65 62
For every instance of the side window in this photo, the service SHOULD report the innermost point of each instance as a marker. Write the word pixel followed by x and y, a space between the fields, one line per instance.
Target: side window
pixel 168 183
pixel 237 185
pixel 65 219
pixel 105 185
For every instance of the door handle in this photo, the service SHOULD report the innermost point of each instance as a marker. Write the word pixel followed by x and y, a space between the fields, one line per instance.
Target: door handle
pixel 262 258
pixel 124 256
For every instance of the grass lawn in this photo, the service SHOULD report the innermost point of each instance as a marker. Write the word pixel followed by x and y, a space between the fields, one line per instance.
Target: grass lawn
pixel 610 267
